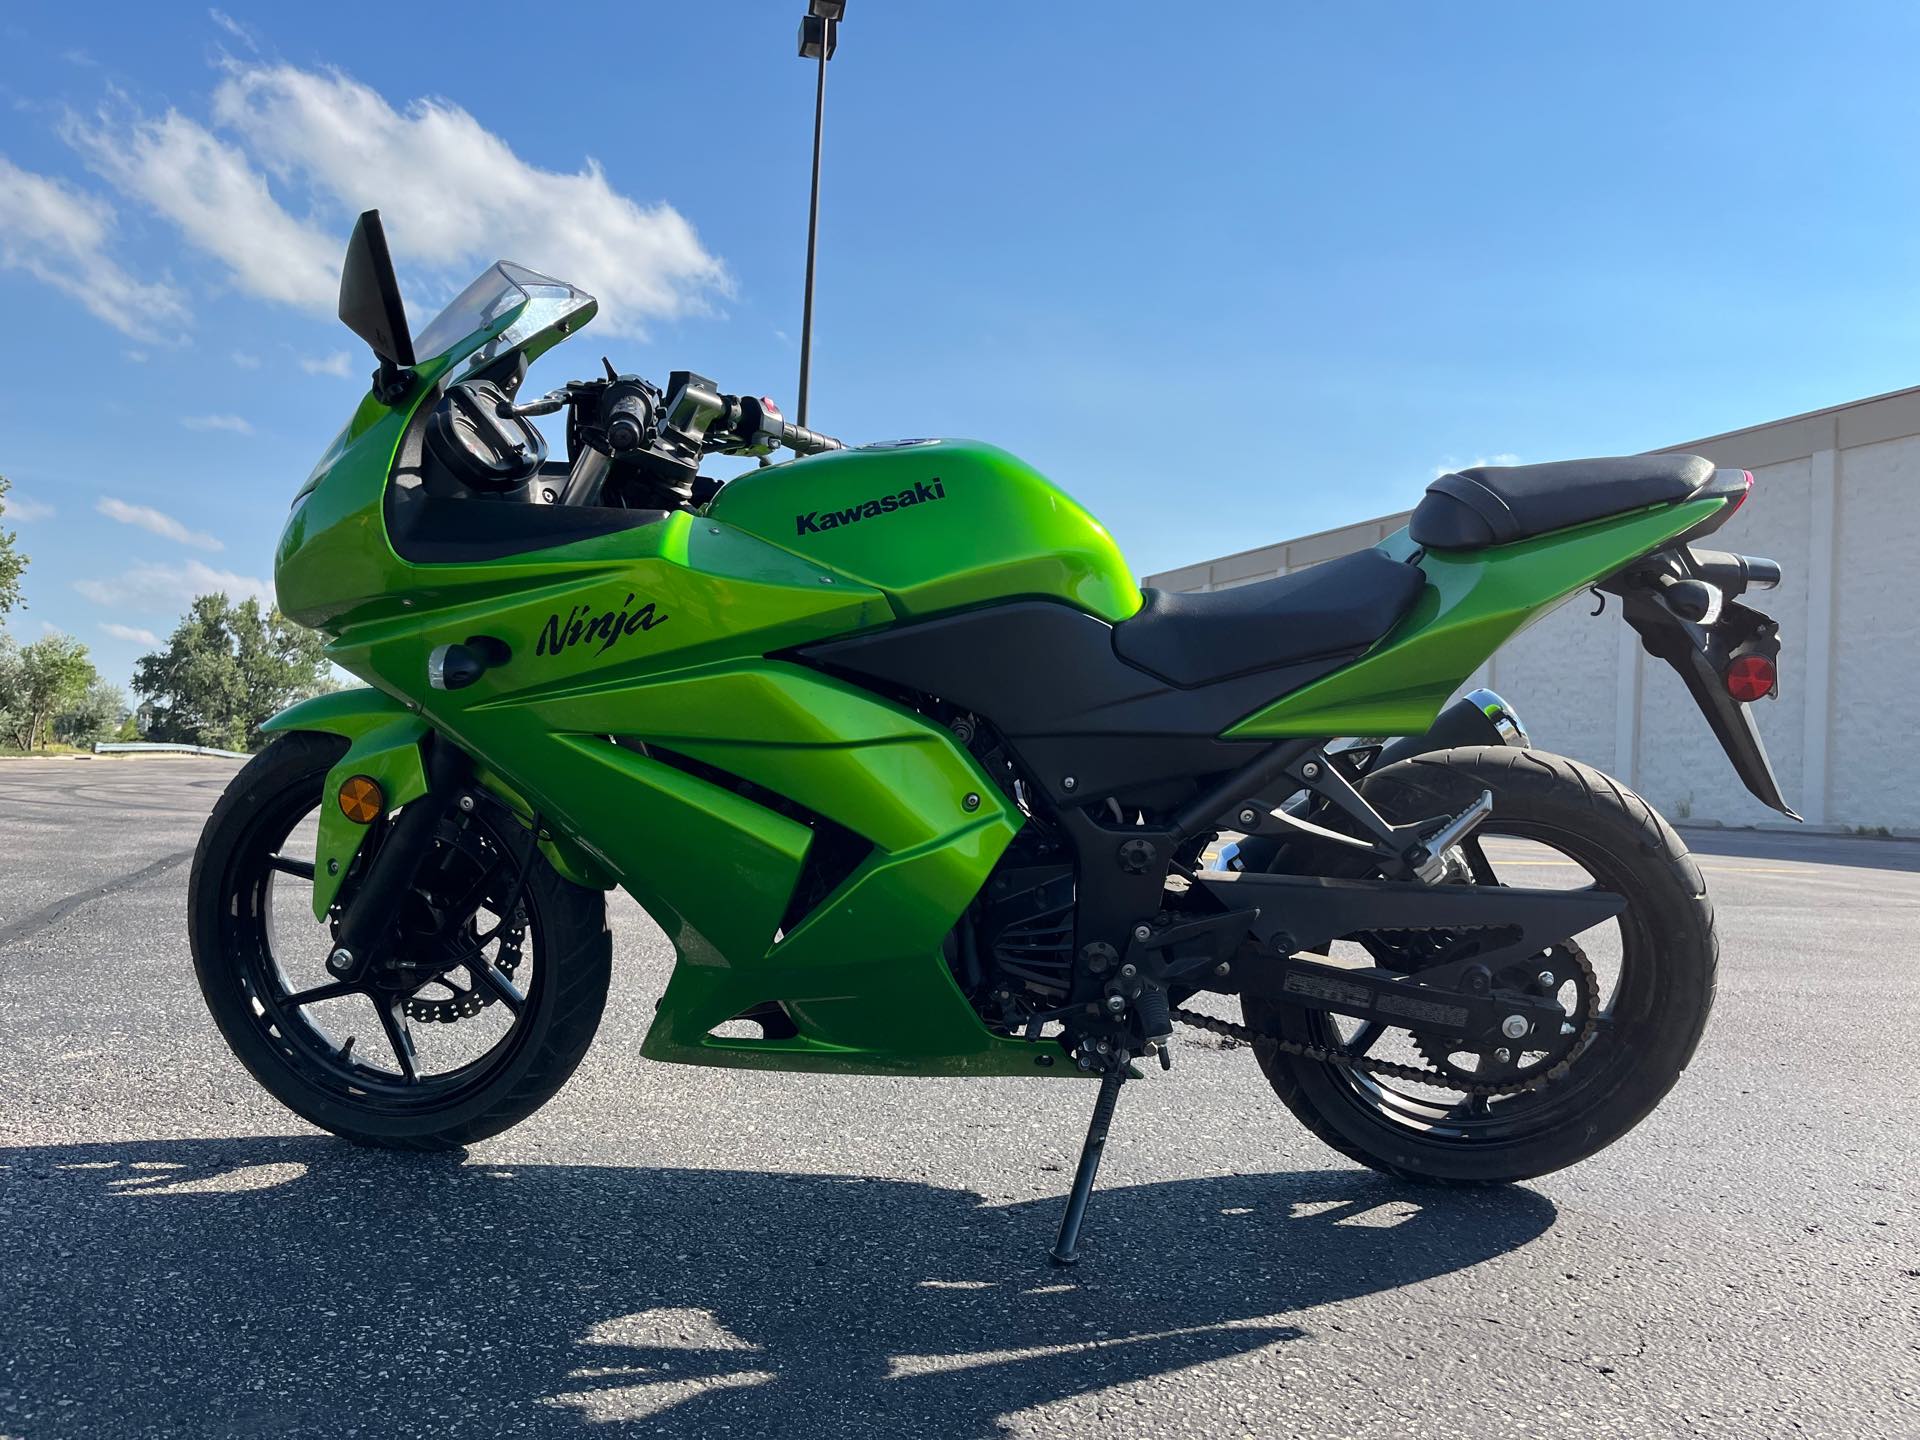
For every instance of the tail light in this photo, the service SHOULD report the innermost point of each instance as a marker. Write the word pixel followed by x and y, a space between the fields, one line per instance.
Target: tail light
pixel 1741 498
pixel 1751 677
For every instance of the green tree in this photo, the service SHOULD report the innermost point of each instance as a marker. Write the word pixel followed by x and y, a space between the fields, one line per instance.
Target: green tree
pixel 95 714
pixel 12 562
pixel 9 685
pixel 50 675
pixel 227 668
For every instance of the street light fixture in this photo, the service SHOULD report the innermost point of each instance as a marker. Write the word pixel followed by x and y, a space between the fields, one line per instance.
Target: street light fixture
pixel 819 34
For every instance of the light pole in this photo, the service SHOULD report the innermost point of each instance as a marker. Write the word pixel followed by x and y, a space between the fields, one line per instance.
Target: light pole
pixel 819 33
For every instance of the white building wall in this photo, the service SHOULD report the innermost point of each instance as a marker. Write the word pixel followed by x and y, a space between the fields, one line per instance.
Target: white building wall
pixel 1873 763
pixel 1836 500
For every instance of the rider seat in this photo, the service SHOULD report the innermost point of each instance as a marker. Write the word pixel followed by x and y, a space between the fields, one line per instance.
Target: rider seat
pixel 1339 607
pixel 1498 504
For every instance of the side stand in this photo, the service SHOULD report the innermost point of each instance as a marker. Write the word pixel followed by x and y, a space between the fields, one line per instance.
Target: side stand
pixel 1068 1243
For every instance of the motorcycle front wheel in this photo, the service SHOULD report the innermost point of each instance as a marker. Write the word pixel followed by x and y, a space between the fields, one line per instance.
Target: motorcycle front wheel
pixel 454 1037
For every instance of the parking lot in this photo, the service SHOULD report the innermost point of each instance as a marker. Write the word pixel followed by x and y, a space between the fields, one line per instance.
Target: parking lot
pixel 673 1251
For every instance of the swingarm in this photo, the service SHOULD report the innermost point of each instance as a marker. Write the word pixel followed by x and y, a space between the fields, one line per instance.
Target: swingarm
pixel 1288 913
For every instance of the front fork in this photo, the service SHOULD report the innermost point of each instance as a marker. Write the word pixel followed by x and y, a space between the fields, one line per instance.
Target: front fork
pixel 393 868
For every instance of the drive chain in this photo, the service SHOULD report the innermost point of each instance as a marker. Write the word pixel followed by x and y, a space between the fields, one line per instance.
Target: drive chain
pixel 1393 1070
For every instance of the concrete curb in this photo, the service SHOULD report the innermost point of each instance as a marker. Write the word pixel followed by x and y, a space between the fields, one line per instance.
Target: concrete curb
pixel 151 748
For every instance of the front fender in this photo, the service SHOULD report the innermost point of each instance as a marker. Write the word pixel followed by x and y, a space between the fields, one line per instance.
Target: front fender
pixel 384 743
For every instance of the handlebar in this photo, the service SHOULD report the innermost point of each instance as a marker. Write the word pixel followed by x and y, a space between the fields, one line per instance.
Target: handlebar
pixel 755 426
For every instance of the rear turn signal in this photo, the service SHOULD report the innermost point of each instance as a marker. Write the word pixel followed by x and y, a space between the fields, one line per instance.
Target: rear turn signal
pixel 1751 677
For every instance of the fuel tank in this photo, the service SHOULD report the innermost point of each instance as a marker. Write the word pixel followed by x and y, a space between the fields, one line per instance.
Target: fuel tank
pixel 936 525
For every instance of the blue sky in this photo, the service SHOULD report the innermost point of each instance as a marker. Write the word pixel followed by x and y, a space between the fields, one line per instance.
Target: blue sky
pixel 1228 272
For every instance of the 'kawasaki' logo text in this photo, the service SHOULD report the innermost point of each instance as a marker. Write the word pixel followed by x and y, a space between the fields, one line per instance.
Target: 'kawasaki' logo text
pixel 583 626
pixel 815 521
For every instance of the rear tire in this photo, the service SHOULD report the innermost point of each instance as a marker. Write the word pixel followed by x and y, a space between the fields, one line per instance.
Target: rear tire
pixel 1665 991
pixel 230 931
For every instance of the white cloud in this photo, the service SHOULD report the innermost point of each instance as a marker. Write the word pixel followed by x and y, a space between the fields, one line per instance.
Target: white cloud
pixel 133 633
pixel 237 424
pixel 234 28
pixel 338 363
pixel 453 195
pixel 222 205
pixel 1451 464
pixel 19 507
pixel 246 361
pixel 59 235
pixel 152 587
pixel 156 522
pixel 138 357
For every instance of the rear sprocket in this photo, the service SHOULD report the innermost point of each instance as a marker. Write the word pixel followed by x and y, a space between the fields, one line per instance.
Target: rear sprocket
pixel 1561 972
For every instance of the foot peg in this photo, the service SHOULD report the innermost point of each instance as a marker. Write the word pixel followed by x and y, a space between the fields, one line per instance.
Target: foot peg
pixel 1452 833
pixel 1066 1246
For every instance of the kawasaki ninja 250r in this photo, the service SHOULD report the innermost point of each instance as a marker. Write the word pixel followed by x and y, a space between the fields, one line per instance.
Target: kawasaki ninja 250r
pixel 918 781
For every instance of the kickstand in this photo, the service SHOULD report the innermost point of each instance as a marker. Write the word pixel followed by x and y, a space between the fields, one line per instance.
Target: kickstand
pixel 1068 1243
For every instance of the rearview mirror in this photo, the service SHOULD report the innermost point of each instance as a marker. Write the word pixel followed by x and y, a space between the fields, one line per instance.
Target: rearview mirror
pixel 370 302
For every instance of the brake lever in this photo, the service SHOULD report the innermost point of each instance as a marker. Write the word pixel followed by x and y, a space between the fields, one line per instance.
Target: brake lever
pixel 545 405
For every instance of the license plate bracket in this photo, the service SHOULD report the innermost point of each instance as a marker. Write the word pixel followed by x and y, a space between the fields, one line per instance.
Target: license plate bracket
pixel 1699 655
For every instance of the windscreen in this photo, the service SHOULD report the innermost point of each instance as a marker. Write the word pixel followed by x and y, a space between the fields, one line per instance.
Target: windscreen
pixel 524 302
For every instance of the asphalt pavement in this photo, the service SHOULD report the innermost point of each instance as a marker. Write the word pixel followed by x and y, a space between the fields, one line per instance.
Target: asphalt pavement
pixel 688 1252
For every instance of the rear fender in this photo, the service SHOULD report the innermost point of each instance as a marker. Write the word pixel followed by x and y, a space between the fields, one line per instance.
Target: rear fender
pixel 384 743
pixel 1699 654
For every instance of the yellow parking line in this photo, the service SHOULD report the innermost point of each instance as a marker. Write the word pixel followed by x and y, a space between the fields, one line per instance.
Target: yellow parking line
pixel 1712 869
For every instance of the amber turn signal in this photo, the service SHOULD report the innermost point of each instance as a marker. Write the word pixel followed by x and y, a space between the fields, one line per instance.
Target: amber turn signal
pixel 361 800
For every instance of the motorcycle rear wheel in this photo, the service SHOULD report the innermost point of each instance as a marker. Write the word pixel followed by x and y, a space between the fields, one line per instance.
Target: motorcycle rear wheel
pixel 1649 1026
pixel 360 1076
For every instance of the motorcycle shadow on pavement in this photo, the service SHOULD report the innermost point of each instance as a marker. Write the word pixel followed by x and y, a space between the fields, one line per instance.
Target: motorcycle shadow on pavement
pixel 299 1286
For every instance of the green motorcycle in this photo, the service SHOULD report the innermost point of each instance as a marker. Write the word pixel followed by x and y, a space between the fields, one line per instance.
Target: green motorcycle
pixel 917 780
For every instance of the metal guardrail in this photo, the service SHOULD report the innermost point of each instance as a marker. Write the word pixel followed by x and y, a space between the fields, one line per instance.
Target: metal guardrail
pixel 146 747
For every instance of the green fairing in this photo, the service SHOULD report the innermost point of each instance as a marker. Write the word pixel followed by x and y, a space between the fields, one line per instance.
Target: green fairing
pixel 864 975
pixel 937 525
pixel 643 713
pixel 384 744
pixel 1473 603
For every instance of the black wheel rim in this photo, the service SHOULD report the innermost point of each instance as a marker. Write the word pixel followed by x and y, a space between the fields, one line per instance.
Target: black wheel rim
pixel 300 1011
pixel 1435 1116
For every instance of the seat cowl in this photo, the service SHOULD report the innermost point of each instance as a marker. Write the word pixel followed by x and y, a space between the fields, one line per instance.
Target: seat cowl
pixel 1499 504
pixel 1338 607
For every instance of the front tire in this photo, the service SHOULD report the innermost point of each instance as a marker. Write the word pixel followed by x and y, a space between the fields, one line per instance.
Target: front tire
pixel 1650 1025
pixel 351 1086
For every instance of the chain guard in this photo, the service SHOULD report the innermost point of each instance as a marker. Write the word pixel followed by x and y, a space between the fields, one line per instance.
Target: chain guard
pixel 1447 1077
